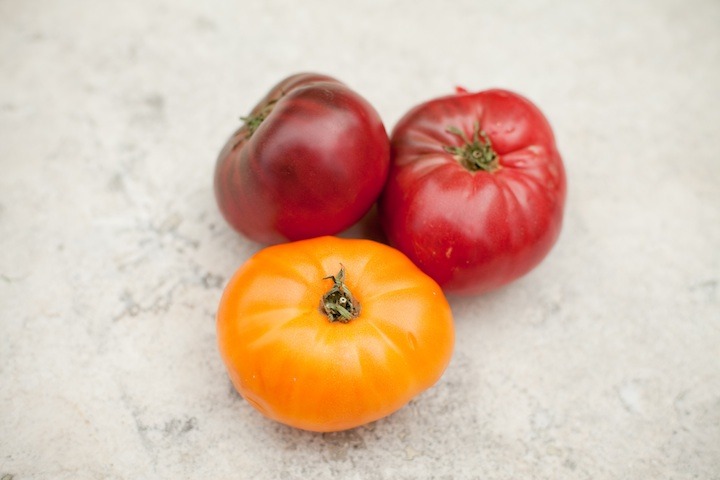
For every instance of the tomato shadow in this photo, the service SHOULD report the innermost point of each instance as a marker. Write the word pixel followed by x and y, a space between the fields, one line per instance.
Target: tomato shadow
pixel 368 227
pixel 409 432
pixel 303 446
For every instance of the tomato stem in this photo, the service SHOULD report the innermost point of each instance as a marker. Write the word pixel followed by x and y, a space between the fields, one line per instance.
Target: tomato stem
pixel 252 122
pixel 476 154
pixel 338 303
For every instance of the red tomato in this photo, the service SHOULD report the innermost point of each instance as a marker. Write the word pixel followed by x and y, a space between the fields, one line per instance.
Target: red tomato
pixel 310 160
pixel 476 189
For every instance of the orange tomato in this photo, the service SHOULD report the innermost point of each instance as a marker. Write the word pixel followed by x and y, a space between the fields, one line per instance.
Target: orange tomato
pixel 328 334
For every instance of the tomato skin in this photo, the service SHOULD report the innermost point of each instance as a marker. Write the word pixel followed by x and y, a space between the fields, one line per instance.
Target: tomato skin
pixel 292 364
pixel 313 166
pixel 474 231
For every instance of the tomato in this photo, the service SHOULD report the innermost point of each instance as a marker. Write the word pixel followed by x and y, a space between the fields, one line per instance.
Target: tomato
pixel 328 334
pixel 310 160
pixel 476 189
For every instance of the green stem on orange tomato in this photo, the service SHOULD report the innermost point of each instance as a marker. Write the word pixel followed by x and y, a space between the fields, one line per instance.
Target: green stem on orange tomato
pixel 338 303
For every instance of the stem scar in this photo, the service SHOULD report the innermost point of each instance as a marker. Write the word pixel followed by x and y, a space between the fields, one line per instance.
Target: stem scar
pixel 338 304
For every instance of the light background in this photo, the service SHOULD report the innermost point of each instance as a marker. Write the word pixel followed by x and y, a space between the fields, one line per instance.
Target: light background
pixel 603 363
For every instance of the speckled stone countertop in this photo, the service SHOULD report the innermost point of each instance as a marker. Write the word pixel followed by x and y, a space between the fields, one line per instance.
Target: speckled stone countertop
pixel 603 363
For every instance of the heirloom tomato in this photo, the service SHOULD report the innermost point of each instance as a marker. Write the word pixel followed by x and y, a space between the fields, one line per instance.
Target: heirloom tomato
pixel 310 160
pixel 328 334
pixel 476 189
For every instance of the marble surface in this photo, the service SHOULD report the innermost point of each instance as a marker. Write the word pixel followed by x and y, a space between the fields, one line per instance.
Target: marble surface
pixel 603 363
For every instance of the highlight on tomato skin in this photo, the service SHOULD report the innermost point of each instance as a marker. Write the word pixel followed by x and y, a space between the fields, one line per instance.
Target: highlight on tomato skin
pixel 328 334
